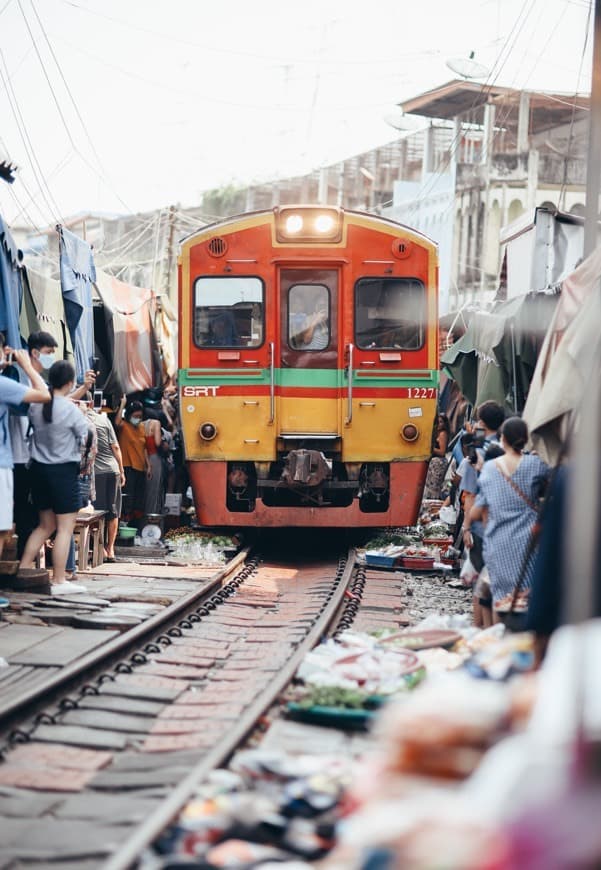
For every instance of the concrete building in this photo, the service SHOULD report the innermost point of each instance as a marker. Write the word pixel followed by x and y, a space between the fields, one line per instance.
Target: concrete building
pixel 509 152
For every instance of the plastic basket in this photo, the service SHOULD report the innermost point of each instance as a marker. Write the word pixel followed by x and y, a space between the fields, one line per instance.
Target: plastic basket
pixel 418 563
pixel 377 560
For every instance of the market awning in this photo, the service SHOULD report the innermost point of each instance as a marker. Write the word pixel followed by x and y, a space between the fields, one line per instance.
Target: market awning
pixel 564 365
pixel 128 313
pixel 43 309
pixel 496 357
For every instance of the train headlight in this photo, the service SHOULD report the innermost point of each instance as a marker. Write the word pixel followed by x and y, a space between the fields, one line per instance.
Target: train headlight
pixel 207 431
pixel 324 223
pixel 303 224
pixel 410 432
pixel 294 224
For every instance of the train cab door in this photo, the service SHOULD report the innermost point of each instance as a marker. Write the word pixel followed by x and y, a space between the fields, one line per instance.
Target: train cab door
pixel 308 353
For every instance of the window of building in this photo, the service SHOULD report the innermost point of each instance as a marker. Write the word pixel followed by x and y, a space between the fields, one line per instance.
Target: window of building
pixel 390 313
pixel 228 312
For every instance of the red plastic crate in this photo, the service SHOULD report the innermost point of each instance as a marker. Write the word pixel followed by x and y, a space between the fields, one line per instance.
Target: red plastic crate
pixel 418 562
pixel 442 543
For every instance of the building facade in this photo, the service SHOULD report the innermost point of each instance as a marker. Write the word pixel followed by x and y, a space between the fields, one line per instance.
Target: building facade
pixel 509 152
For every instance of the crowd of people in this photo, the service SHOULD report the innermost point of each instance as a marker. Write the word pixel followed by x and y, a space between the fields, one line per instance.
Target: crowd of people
pixel 59 454
pixel 494 489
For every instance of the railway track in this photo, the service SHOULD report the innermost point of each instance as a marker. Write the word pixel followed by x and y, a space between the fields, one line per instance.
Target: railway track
pixel 98 763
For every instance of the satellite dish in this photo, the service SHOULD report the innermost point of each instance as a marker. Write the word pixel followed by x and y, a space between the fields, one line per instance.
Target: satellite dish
pixel 396 118
pixel 467 67
pixel 400 121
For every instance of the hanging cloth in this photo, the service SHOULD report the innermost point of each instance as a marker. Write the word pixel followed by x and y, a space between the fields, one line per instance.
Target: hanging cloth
pixel 77 274
pixel 43 309
pixel 11 286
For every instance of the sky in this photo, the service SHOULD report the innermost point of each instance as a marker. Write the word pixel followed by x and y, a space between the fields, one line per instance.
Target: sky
pixel 123 106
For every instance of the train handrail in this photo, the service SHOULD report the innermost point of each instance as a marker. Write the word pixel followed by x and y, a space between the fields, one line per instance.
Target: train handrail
pixel 271 382
pixel 349 413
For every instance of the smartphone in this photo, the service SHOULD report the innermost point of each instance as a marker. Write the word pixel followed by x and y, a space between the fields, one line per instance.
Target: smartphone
pixel 96 364
pixel 98 399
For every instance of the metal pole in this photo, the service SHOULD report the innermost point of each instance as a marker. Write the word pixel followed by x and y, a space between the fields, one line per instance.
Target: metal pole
pixel 513 371
pixel 593 166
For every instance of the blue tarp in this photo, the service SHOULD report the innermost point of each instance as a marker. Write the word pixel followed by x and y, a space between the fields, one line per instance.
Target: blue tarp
pixel 77 274
pixel 11 287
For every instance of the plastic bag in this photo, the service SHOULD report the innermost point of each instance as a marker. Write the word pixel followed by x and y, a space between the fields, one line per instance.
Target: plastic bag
pixel 468 574
pixel 448 515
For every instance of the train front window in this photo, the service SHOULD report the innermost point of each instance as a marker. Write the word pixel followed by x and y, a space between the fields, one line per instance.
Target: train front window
pixel 390 313
pixel 228 312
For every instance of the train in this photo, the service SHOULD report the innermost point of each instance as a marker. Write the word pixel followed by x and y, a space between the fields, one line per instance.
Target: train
pixel 308 368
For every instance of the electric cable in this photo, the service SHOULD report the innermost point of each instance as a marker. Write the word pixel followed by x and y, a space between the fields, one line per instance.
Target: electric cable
pixel 75 106
pixel 485 91
pixel 562 192
pixel 27 143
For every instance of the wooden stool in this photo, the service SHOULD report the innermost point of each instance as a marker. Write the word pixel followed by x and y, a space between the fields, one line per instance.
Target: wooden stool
pixel 89 536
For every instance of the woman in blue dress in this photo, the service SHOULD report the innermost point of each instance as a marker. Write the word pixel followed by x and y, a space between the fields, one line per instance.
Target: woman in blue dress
pixel 508 490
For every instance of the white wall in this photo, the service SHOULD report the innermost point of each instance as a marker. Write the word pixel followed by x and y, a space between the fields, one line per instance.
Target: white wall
pixel 428 206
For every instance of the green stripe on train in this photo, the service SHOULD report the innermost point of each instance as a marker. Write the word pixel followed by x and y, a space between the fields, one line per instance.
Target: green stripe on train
pixel 315 378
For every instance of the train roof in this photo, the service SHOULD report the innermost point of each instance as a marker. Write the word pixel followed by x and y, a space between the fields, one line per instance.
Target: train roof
pixel 268 212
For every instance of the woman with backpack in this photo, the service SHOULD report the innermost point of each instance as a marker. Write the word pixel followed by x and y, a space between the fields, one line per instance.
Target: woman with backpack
pixel 59 431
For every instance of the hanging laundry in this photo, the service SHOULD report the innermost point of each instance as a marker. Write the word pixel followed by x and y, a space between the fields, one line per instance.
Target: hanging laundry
pixel 43 304
pixel 77 274
pixel 11 286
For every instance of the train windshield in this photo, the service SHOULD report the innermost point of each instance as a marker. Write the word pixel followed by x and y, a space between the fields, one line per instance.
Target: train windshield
pixel 228 312
pixel 390 313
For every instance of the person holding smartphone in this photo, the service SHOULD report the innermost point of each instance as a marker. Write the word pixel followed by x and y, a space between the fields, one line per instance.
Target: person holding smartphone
pixel 13 393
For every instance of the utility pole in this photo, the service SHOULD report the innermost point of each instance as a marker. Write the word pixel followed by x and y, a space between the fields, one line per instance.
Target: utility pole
pixel 593 164
pixel 169 258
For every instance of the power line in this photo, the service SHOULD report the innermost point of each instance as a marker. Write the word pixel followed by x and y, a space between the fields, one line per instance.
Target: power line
pixel 57 102
pixel 58 168
pixel 485 90
pixel 47 77
pixel 564 182
pixel 66 84
pixel 210 47
pixel 27 143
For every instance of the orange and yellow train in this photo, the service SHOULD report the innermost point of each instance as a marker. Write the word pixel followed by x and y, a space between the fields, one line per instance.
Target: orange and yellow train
pixel 308 368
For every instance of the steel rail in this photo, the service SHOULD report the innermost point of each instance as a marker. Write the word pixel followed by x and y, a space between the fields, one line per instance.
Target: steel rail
pixel 116 646
pixel 146 834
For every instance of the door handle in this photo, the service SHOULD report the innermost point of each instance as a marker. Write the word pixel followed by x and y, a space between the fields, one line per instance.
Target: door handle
pixel 271 382
pixel 349 412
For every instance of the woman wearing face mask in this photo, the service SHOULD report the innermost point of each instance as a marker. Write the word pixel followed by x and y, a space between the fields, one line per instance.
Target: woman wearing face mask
pixel 59 429
pixel 132 441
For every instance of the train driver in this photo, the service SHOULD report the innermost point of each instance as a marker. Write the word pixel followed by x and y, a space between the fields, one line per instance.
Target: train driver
pixel 222 330
pixel 309 331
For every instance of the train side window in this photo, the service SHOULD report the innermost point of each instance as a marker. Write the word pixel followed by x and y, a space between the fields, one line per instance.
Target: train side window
pixel 228 311
pixel 390 313
pixel 308 317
